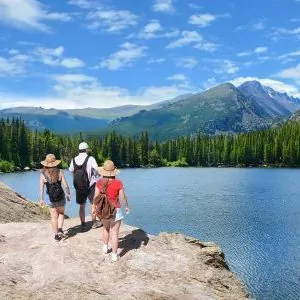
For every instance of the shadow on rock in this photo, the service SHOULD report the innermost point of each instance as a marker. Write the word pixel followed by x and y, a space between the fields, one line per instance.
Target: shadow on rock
pixel 72 231
pixel 133 241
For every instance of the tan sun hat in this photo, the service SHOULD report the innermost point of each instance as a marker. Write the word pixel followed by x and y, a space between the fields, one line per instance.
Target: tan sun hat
pixel 50 161
pixel 108 169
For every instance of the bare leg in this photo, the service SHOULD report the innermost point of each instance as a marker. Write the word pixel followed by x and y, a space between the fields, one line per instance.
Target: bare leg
pixel 54 218
pixel 114 232
pixel 105 232
pixel 93 216
pixel 82 213
pixel 61 216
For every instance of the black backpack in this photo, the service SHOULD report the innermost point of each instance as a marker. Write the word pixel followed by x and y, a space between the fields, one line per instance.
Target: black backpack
pixel 80 177
pixel 54 189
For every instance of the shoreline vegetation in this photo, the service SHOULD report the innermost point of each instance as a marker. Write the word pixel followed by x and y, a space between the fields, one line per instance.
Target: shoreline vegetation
pixel 169 165
pixel 23 149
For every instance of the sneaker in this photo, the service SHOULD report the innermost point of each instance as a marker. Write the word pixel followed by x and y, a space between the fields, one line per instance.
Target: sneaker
pixel 57 238
pixel 95 225
pixel 60 232
pixel 82 227
pixel 105 249
pixel 115 257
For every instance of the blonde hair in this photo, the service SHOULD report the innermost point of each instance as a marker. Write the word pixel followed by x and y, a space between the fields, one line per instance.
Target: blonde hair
pixel 53 173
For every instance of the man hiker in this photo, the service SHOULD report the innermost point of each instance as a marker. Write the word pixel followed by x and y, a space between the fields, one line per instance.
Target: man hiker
pixel 84 168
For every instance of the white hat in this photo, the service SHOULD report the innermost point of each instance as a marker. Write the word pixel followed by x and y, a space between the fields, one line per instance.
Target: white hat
pixel 83 146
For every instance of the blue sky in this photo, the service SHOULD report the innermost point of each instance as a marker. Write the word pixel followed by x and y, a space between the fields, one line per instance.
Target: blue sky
pixel 105 53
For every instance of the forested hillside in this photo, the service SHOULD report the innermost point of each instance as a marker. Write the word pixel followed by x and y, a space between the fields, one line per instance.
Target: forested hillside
pixel 21 147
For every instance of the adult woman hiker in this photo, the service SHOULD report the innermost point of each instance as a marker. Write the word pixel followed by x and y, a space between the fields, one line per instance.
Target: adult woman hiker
pixel 53 178
pixel 113 189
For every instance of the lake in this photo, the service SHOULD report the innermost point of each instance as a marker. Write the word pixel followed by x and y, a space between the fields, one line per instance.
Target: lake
pixel 253 214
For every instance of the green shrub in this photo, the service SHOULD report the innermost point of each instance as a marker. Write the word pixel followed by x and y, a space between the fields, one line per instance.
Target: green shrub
pixel 6 166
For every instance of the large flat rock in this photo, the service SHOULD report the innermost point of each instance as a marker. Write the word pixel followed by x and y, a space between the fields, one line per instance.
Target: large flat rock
pixel 168 266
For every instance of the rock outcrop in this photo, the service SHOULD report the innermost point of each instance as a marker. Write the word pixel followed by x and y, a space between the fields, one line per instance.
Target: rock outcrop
pixel 167 266
pixel 16 208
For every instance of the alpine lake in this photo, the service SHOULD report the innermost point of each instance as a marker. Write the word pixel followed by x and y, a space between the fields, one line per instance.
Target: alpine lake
pixel 253 214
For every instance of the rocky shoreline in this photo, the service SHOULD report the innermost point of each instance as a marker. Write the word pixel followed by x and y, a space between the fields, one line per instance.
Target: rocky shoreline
pixel 167 266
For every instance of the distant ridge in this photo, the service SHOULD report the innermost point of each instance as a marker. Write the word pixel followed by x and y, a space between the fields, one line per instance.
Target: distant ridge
pixel 222 109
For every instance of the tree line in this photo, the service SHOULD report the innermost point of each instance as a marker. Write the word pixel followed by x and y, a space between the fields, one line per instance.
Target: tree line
pixel 21 147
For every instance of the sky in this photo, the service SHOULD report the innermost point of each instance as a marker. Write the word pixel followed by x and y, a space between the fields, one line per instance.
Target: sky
pixel 107 53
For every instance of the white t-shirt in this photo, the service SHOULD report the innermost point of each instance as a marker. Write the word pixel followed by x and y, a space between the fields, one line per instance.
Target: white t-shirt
pixel 91 166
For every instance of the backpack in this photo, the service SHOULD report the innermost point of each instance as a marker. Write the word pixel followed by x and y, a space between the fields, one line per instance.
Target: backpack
pixel 54 189
pixel 104 209
pixel 80 179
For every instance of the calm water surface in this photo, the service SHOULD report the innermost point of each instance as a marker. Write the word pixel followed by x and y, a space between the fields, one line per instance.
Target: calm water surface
pixel 253 214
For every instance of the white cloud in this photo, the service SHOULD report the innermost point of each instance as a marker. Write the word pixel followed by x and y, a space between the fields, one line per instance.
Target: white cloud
pixel 13 51
pixel 156 60
pixel 28 14
pixel 243 54
pixel 274 84
pixel 187 62
pixel 207 46
pixel 154 30
pixel 177 77
pixel 188 37
pixel 290 54
pixel 14 65
pixel 74 78
pixel 209 83
pixel 72 63
pixel 194 6
pixel 79 91
pixel 227 67
pixel 54 57
pixel 278 33
pixel 292 73
pixel 104 17
pixel 124 57
pixel 163 6
pixel 261 49
pixel 84 3
pixel 111 20
pixel 202 20
pixel 253 26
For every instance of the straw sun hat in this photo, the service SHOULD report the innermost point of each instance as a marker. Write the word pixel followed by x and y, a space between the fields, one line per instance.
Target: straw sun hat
pixel 108 169
pixel 50 161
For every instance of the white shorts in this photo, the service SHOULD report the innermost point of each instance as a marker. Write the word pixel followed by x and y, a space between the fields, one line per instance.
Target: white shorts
pixel 119 215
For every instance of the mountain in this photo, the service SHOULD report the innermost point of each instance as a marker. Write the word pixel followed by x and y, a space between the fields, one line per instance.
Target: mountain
pixel 221 109
pixel 75 120
pixel 55 120
pixel 268 102
pixel 295 117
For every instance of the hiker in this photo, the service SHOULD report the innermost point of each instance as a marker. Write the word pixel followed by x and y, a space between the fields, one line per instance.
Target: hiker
pixel 113 189
pixel 53 178
pixel 84 168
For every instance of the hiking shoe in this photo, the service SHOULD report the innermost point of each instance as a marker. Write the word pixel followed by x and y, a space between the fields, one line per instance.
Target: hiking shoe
pixel 95 225
pixel 115 257
pixel 83 227
pixel 60 232
pixel 57 238
pixel 105 249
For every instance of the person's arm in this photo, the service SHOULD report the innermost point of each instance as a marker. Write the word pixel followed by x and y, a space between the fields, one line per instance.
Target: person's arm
pixel 71 168
pixel 94 166
pixel 42 183
pixel 66 186
pixel 95 199
pixel 123 198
